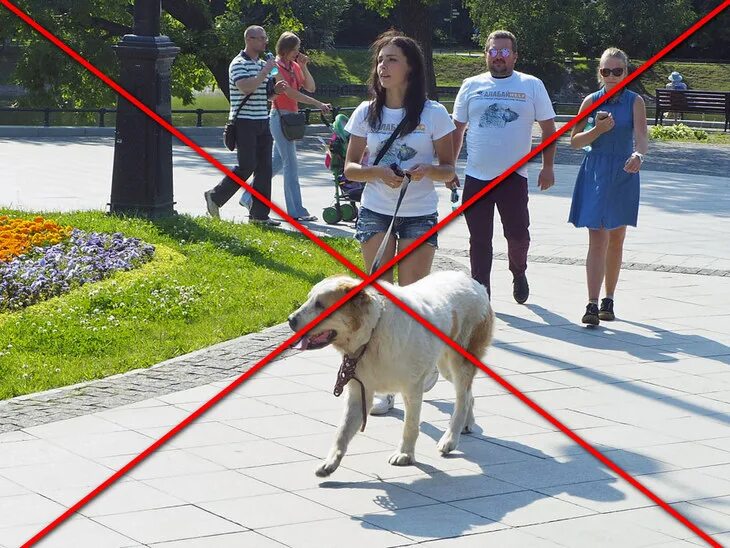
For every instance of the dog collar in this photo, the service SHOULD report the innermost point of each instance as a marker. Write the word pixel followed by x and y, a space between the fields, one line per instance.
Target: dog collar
pixel 346 373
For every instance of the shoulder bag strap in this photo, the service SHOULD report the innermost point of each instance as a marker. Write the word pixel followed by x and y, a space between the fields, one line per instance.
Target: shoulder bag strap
pixel 389 142
pixel 243 102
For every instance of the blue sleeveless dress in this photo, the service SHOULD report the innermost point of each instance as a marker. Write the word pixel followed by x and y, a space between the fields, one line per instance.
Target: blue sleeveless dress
pixel 605 196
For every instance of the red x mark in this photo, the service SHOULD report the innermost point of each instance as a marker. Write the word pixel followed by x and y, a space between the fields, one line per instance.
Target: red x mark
pixel 368 279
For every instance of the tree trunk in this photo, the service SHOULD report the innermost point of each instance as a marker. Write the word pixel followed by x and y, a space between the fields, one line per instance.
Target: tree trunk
pixel 414 18
pixel 195 18
pixel 219 68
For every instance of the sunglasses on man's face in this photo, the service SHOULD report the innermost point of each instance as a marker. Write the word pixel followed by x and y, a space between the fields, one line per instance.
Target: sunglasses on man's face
pixel 605 72
pixel 504 52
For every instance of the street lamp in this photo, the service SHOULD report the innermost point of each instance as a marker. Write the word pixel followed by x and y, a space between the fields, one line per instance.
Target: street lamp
pixel 142 172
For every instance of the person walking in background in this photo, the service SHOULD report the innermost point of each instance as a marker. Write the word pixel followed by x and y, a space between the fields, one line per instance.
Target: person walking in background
pixel 500 107
pixel 606 194
pixel 248 74
pixel 293 68
pixel 422 147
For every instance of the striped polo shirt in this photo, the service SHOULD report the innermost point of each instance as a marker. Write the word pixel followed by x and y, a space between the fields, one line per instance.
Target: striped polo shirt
pixel 256 107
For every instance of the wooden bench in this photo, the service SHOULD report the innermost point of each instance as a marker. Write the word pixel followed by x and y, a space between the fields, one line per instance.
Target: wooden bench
pixel 690 100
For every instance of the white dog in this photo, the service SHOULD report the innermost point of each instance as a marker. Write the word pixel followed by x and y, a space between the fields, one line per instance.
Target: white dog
pixel 394 353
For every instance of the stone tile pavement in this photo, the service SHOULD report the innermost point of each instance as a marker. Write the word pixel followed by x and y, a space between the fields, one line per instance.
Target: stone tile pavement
pixel 651 391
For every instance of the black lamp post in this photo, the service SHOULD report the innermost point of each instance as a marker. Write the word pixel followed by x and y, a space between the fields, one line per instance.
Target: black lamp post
pixel 142 174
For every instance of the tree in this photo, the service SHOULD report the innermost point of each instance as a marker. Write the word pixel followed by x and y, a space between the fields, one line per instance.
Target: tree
pixel 209 33
pixel 641 28
pixel 320 20
pixel 711 41
pixel 414 18
pixel 545 29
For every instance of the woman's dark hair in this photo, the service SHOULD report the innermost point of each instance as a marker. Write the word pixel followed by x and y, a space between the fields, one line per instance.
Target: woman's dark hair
pixel 416 83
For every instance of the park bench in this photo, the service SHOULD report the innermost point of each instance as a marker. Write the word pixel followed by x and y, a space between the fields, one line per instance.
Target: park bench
pixel 690 100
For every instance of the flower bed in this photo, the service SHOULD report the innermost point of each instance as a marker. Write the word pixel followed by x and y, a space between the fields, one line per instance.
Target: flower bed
pixel 64 263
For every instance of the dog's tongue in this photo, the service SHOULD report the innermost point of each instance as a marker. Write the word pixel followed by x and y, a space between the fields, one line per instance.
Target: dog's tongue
pixel 302 343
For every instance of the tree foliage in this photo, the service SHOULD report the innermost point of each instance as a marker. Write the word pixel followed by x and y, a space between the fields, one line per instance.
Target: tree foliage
pixel 548 30
pixel 208 32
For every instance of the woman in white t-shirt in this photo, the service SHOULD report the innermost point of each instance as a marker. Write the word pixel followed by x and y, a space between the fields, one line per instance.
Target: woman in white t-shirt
pixel 422 149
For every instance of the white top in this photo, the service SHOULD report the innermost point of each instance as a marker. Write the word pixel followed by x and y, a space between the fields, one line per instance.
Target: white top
pixel 415 148
pixel 500 113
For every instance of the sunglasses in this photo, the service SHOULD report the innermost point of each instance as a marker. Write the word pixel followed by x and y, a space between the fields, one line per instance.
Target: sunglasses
pixel 605 72
pixel 493 52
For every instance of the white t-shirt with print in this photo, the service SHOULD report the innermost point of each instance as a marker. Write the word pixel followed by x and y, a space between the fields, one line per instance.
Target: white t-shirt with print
pixel 500 113
pixel 415 148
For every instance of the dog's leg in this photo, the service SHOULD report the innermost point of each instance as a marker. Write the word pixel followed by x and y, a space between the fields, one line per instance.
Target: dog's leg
pixel 470 421
pixel 406 453
pixel 463 375
pixel 351 423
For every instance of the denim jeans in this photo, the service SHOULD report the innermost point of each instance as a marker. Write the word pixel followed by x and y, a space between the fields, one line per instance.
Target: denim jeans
pixel 285 157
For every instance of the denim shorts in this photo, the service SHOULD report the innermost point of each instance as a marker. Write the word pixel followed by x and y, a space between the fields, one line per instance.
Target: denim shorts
pixel 369 223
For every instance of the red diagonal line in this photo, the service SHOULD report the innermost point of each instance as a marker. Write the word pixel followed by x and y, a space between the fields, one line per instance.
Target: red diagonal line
pixel 506 384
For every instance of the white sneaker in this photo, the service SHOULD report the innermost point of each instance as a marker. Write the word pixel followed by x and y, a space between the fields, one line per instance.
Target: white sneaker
pixel 246 200
pixel 430 381
pixel 382 403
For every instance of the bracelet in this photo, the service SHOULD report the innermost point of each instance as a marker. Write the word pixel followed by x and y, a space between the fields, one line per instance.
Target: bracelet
pixel 639 155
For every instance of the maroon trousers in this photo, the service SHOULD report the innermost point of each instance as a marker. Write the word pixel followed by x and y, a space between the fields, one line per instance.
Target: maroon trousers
pixel 510 197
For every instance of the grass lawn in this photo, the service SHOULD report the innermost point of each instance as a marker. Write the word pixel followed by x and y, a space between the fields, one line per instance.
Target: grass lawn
pixel 210 281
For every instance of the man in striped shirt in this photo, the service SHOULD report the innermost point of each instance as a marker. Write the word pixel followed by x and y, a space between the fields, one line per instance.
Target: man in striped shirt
pixel 248 74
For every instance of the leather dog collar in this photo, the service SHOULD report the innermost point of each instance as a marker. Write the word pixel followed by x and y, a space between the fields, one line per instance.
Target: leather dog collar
pixel 345 374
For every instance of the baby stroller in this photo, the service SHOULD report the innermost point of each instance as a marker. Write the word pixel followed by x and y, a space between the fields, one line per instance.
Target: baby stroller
pixel 347 192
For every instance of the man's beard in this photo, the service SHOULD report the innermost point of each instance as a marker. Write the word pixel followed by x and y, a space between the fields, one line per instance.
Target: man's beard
pixel 499 69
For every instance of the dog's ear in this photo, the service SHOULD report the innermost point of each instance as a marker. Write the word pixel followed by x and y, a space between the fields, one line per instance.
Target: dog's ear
pixel 362 298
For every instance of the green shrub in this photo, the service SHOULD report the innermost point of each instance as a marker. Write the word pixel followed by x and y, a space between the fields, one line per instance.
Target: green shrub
pixel 678 131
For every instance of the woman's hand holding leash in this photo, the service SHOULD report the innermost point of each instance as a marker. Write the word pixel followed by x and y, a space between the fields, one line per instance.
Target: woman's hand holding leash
pixel 390 177
pixel 419 171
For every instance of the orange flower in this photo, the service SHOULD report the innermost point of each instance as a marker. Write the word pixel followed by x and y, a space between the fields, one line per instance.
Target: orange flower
pixel 18 235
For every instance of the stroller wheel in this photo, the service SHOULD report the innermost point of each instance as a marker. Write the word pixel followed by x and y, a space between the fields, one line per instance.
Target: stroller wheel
pixel 332 215
pixel 349 212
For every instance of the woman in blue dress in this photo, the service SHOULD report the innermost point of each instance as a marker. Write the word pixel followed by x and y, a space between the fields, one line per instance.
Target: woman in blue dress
pixel 606 194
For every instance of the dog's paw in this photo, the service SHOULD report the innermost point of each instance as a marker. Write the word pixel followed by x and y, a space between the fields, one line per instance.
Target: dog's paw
pixel 447 443
pixel 401 459
pixel 326 468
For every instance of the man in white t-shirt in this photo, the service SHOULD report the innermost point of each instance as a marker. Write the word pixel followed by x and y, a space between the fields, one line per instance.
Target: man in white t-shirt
pixel 500 107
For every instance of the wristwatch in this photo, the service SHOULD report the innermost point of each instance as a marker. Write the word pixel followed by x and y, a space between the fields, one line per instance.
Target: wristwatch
pixel 639 155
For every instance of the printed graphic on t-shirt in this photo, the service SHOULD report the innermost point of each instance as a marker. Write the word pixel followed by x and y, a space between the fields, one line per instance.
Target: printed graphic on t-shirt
pixel 398 153
pixel 497 115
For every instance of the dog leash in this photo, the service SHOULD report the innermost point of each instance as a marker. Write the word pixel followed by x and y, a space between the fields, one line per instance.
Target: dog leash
pixel 384 243
pixel 345 374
